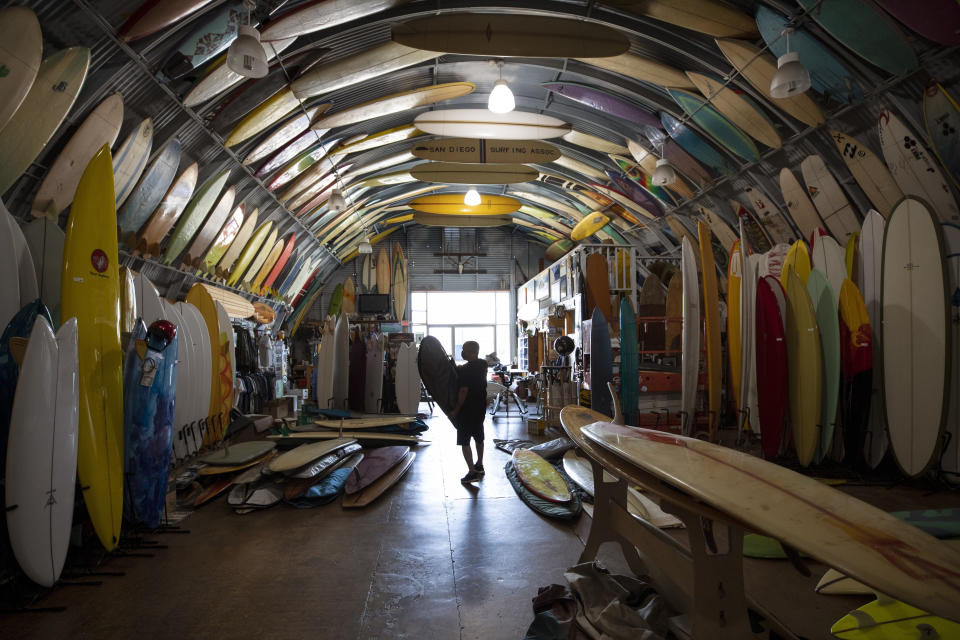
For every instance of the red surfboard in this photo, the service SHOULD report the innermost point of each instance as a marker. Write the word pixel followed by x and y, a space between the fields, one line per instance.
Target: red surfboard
pixel 771 364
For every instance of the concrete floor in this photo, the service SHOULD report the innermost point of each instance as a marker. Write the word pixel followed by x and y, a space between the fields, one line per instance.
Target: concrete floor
pixel 430 559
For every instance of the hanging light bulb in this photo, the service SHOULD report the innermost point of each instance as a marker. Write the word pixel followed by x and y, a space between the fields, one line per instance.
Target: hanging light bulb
pixel 501 98
pixel 791 78
pixel 364 246
pixel 246 56
pixel 472 198
pixel 664 173
pixel 337 202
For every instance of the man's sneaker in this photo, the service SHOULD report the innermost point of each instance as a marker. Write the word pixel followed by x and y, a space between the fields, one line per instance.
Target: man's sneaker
pixel 473 476
pixel 478 469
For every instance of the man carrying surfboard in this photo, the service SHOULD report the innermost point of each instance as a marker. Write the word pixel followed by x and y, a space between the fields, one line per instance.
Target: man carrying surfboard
pixel 471 408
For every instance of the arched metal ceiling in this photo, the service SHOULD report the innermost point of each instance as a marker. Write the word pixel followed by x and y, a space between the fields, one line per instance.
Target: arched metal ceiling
pixel 116 66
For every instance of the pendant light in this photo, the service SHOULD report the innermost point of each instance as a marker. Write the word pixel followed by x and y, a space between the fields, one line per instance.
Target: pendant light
pixel 501 98
pixel 791 78
pixel 664 173
pixel 337 202
pixel 364 247
pixel 246 56
pixel 472 197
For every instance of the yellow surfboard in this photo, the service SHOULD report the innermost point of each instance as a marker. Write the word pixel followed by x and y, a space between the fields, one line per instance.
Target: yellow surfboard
pixel 734 273
pixel 798 259
pixel 539 476
pixel 221 373
pixel 271 260
pixel 91 293
pixel 249 251
pixel 853 242
pixel 806 374
pixel 711 303
pixel 589 226
pixel 452 204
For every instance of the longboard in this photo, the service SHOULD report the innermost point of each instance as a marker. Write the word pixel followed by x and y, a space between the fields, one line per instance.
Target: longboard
pixel 825 306
pixel 712 327
pixel 192 217
pixel 131 160
pixel 294 459
pixel 394 103
pixel 210 228
pixel 806 369
pixel 90 293
pixel 380 486
pixel 21 51
pixel 168 211
pixel 438 373
pixel 738 109
pixel 398 267
pixel 481 123
pixel 473 173
pixel 228 233
pixel 828 198
pixel 869 172
pixel 45 239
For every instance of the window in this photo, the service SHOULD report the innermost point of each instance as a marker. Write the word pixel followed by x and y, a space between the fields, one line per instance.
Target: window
pixel 454 317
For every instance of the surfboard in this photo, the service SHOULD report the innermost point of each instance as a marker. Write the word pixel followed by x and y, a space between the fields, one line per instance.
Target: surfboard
pixel 225 237
pixel 51 96
pixel 539 476
pixel 825 307
pixel 373 388
pixel 473 173
pixel 640 68
pixel 828 75
pixel 805 358
pixel 313 156
pixel 210 35
pixel 828 197
pixel 395 103
pixel 168 211
pixel 438 373
pixel 267 113
pixel 856 365
pixel 271 259
pixel 291 461
pixel 368 274
pixel 210 227
pixel 257 263
pixel 399 290
pixel 734 345
pixel 341 361
pixel 481 123
pixel 869 172
pixel 695 145
pixel 201 374
pixel 408 379
pixel 349 296
pixel 154 15
pixel 21 52
pixel 690 335
pixel 148 192
pixel 602 101
pixel 221 374
pixel 192 217
pixel 249 251
pixel 913 169
pixel 716 124
pixel 527 36
pixel 287 140
pixel 279 264
pixel 648 162
pixel 601 360
pixel 738 110
pixel 594 143
pixel 871 270
pixel 828 257
pixel 149 303
pixel 802 211
pixel 150 382
pixel 130 160
pixel 239 243
pixel 759 68
pixel 41 452
pixel 629 362
pixel 586 170
pixel 45 240
pixel 590 225
pixel 706 16
pixel 852 536
pixel 99 128
pixel 90 293
pixel 940 24
pixel 798 259
pixel 916 365
pixel 238 453
pixel 876 38
pixel 452 204
pixel 222 78
pixel 776 226
pixel 886 618
pixel 317 15
pixel 712 327
pixel 377 488
pixel 236 306
pixel 383 271
pixel 771 364
pixel 182 390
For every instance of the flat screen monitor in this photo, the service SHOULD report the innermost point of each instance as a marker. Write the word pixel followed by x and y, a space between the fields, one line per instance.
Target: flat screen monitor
pixel 373 303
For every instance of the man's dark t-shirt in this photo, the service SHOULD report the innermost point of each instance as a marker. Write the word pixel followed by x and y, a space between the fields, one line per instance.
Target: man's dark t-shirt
pixel 473 376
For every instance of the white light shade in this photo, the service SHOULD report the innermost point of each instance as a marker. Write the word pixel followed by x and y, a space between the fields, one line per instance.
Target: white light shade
pixel 664 173
pixel 246 55
pixel 791 78
pixel 364 247
pixel 472 198
pixel 501 98
pixel 337 202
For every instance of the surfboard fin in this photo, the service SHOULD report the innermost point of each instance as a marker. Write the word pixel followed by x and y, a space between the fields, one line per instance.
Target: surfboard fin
pixel 617 409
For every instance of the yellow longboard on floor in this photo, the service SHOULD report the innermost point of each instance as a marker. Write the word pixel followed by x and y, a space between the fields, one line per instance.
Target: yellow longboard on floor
pixel 540 477
pixel 91 293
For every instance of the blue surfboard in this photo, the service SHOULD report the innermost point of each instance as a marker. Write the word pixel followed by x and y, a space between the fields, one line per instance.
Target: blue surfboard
pixel 149 393
pixel 695 145
pixel 716 124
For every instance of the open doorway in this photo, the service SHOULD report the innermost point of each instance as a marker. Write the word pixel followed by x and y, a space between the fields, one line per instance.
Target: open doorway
pixel 454 317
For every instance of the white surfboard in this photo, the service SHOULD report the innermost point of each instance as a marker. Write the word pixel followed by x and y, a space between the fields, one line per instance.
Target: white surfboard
pixel 21 49
pixel 871 262
pixel 913 167
pixel 828 198
pixel 325 366
pixel 316 16
pixel 19 284
pixel 802 211
pixel 101 127
pixel 42 452
pixel 690 338
pixel 341 362
pixel 374 378
pixel 482 123
pixel 830 258
pixel 201 370
pixel 352 70
pixel 148 300
pixel 45 239
pixel 770 217
pixel 916 353
pixel 408 379
pixel 869 172
pixel 951 456
pixel 580 167
pixel 130 160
